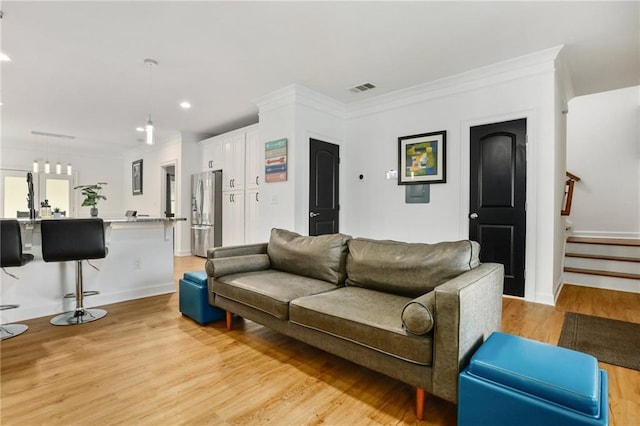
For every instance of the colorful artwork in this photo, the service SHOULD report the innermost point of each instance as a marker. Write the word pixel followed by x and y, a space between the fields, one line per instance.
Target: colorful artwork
pixel 421 158
pixel 275 163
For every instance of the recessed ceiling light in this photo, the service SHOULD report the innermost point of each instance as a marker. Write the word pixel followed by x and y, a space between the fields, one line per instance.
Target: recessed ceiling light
pixel 185 105
pixel 139 129
pixel 4 58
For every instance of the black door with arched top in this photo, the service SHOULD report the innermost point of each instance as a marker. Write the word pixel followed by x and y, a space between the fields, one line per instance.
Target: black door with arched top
pixel 497 199
pixel 324 182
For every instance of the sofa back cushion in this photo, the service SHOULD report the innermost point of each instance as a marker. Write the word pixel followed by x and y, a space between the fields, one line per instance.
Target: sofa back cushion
pixel 407 269
pixel 322 257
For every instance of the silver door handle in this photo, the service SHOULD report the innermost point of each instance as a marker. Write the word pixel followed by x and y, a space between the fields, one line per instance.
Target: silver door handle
pixel 313 214
pixel 473 216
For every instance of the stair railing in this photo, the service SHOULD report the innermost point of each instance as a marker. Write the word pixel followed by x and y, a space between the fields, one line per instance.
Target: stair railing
pixel 568 193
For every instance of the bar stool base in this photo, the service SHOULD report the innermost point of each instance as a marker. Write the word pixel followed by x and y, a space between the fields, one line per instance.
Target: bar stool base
pixel 7 331
pixel 78 317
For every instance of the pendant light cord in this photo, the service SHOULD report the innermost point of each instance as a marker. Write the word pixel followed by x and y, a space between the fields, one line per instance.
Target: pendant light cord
pixel 151 63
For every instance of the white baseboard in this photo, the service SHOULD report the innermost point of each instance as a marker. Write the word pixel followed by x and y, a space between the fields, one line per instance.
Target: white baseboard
pixel 181 253
pixel 558 290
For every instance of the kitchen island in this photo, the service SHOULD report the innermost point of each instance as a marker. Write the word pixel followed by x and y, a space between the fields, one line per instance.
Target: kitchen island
pixel 139 263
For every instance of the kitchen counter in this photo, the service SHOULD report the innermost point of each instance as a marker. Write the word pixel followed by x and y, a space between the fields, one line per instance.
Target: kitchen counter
pixel 141 219
pixel 139 263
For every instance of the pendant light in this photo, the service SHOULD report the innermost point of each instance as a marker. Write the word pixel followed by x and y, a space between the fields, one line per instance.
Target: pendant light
pixel 47 166
pixel 58 165
pixel 36 164
pixel 148 128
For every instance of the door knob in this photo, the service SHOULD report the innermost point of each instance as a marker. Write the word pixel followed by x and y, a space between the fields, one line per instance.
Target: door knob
pixel 473 216
pixel 313 214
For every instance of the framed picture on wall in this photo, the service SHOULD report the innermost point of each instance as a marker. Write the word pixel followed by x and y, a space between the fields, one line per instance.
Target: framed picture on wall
pixel 422 159
pixel 136 177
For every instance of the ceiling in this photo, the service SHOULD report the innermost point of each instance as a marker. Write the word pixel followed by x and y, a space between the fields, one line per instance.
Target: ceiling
pixel 78 67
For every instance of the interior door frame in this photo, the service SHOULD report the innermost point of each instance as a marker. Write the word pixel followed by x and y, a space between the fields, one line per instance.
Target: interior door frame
pixel 531 223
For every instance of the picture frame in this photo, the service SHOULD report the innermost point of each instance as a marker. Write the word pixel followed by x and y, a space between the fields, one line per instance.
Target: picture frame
pixel 136 177
pixel 422 158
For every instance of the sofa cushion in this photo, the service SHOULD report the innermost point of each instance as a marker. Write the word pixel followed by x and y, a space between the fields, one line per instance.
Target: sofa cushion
pixel 408 269
pixel 417 315
pixel 366 317
pixel 322 257
pixel 269 291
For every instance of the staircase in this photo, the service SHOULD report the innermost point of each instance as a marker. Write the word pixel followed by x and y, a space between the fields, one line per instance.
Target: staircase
pixel 603 262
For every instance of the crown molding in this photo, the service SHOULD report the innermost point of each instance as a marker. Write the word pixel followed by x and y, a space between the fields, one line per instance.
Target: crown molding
pixel 300 95
pixel 512 69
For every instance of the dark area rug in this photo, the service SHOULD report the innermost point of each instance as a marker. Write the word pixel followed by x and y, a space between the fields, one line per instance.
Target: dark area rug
pixel 611 341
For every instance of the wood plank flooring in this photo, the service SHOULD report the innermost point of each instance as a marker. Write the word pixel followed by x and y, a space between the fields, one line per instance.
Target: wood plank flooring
pixel 146 364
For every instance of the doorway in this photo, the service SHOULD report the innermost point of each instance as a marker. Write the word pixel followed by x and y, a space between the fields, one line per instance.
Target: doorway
pixel 324 183
pixel 169 190
pixel 497 197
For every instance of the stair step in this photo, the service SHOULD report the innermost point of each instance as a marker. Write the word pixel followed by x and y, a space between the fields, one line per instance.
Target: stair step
pixel 628 242
pixel 598 281
pixel 628 251
pixel 596 263
pixel 602 273
pixel 603 257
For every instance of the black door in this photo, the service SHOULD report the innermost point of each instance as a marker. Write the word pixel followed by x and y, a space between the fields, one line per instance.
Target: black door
pixel 324 207
pixel 497 215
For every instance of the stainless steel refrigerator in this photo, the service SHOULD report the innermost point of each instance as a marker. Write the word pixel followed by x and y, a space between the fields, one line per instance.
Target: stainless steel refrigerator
pixel 206 212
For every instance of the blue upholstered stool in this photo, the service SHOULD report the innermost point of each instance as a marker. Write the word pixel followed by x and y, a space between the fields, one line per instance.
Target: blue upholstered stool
pixel 515 381
pixel 194 298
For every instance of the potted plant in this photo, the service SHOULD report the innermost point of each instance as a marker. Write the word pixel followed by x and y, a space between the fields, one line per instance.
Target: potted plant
pixel 56 212
pixel 92 196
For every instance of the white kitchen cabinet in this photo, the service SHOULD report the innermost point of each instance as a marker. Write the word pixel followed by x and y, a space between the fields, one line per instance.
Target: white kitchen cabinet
pixel 254 160
pixel 233 168
pixel 251 209
pixel 212 158
pixel 240 156
pixel 233 218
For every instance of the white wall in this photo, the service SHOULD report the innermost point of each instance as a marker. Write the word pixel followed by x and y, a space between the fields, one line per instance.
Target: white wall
pixel 298 114
pixel 183 153
pixel 278 203
pixel 89 166
pixel 375 207
pixel 603 149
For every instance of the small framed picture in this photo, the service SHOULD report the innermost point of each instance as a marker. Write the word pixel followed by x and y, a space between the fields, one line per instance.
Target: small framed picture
pixel 136 177
pixel 422 159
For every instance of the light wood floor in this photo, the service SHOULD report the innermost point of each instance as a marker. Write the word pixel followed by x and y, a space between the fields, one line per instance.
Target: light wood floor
pixel 146 364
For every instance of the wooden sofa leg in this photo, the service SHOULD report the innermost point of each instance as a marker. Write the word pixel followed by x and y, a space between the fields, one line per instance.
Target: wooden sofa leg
pixel 229 320
pixel 419 403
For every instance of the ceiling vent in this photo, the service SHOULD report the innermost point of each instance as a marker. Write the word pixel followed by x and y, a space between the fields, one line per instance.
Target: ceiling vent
pixel 362 88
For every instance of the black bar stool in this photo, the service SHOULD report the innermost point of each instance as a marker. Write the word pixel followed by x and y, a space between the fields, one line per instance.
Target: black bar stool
pixel 74 239
pixel 11 255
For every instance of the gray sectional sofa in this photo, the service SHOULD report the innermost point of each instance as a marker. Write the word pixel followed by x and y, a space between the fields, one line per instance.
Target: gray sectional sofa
pixel 415 312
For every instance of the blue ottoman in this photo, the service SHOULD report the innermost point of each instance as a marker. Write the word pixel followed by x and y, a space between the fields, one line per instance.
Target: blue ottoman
pixel 194 299
pixel 515 381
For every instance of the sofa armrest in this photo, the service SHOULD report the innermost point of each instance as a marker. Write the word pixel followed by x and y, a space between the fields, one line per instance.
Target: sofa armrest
pixel 241 250
pixel 468 309
pixel 221 266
